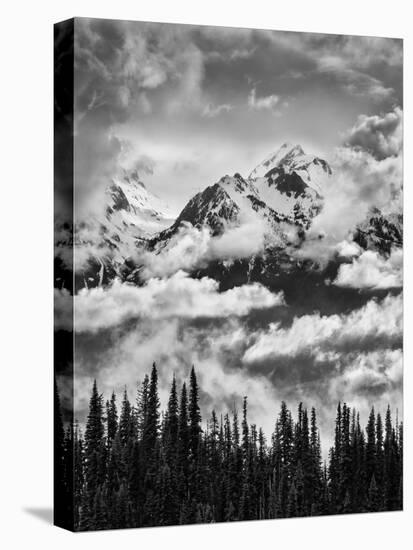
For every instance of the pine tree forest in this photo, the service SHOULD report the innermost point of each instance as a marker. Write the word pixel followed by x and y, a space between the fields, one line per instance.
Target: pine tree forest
pixel 135 466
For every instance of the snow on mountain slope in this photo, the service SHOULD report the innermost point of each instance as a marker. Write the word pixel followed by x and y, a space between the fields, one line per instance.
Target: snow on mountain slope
pixel 230 202
pixel 380 231
pixel 131 204
pixel 131 214
pixel 279 200
pixel 291 158
pixel 268 214
pixel 291 182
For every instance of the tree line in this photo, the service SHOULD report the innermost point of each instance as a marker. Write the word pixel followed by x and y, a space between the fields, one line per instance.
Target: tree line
pixel 136 467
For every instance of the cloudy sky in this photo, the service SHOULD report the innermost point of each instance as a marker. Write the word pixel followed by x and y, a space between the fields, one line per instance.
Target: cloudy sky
pixel 186 105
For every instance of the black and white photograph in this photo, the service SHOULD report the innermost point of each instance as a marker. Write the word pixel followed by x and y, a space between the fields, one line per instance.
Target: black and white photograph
pixel 228 274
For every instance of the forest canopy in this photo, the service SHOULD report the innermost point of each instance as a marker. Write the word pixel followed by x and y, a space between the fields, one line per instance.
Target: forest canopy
pixel 135 465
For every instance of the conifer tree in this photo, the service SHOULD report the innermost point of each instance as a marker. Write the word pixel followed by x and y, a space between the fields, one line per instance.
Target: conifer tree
pixel 194 414
pixel 93 445
pixel 171 425
pixel 371 447
pixel 379 469
pixel 111 419
pixel 125 420
pixel 150 432
pixel 374 501
pixel 127 473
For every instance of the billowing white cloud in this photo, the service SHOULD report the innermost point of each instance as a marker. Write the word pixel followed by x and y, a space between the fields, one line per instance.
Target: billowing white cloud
pixel 211 111
pixel 360 182
pixel 348 249
pixel 311 333
pixel 190 248
pixel 371 373
pixel 179 296
pixel 116 85
pixel 175 350
pixel 373 271
pixel 269 102
pixel 380 135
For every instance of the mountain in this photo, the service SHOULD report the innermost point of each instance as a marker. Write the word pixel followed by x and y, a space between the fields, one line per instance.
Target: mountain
pixel 230 201
pixel 131 214
pixel 291 158
pixel 131 206
pixel 283 191
pixel 292 182
pixel 380 231
pixel 282 195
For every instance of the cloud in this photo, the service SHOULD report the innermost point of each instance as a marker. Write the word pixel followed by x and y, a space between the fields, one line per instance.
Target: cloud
pixel 348 249
pixel 143 89
pixel 216 346
pixel 372 182
pixel 125 70
pixel 192 248
pixel 211 111
pixel 311 333
pixel 360 183
pixel 269 102
pixel 179 296
pixel 354 81
pixel 376 51
pixel 375 374
pixel 359 65
pixel 176 345
pixel 380 135
pixel 373 271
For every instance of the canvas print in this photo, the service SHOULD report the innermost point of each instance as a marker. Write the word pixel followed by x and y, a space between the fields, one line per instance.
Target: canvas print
pixel 228 274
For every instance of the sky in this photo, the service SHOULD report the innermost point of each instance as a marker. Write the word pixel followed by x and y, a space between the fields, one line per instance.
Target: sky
pixel 189 104
pixel 186 105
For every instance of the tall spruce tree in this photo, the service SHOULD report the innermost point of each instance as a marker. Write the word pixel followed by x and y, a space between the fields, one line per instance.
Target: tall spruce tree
pixel 93 446
pixel 111 419
pixel 194 414
pixel 151 427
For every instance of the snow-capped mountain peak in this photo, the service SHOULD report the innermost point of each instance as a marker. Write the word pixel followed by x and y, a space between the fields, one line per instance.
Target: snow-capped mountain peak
pixel 290 159
pixel 106 239
pixel 291 182
pixel 135 204
pixel 286 152
pixel 219 204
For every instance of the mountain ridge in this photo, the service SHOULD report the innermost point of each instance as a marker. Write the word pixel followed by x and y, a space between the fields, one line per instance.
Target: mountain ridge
pixel 283 193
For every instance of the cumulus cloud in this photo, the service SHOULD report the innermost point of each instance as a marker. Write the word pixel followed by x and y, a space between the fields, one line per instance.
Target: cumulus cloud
pixel 175 345
pixel 192 248
pixel 216 347
pixel 211 111
pixel 179 296
pixel 269 102
pixel 311 333
pixel 360 183
pixel 348 249
pixel 380 135
pixel 373 374
pixel 373 271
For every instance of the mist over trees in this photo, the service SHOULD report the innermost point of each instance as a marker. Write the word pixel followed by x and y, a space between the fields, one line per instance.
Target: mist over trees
pixel 138 466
